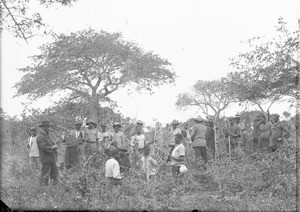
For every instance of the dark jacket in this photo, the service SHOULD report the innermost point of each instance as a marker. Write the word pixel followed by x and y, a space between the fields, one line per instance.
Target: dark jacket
pixel 210 133
pixel 47 154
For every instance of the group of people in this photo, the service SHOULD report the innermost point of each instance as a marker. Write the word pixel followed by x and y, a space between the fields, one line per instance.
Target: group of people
pixel 86 140
pixel 269 133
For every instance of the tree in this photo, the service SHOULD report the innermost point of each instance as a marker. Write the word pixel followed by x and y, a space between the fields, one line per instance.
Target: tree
pixel 90 65
pixel 210 96
pixel 269 71
pixel 14 16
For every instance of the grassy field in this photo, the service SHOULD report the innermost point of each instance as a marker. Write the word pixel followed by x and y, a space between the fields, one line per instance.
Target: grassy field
pixel 253 181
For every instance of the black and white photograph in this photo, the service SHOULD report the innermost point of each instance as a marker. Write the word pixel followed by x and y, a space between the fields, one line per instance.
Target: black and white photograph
pixel 150 105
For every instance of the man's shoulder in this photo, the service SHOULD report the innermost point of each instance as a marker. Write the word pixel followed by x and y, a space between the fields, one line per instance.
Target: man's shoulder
pixel 40 136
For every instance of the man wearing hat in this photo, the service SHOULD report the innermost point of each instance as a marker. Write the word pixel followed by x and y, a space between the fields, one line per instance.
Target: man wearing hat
pixel 33 148
pixel 138 124
pixel 72 142
pixel 138 142
pixel 119 143
pixel 104 136
pixel 256 132
pixel 48 154
pixel 233 133
pixel 210 135
pixel 174 130
pixel 241 130
pixel 280 133
pixel 198 139
pixel 91 137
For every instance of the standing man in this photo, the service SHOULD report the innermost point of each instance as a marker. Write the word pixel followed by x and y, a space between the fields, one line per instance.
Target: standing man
pixel 233 133
pixel 137 145
pixel 72 143
pixel 280 133
pixel 119 142
pixel 174 131
pixel 186 132
pixel 104 136
pixel 177 155
pixel 241 130
pixel 198 139
pixel 265 134
pixel 256 131
pixel 210 136
pixel 91 136
pixel 48 154
pixel 33 148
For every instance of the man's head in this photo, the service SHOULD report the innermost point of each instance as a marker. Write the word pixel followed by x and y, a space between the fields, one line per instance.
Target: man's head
pixel 174 123
pixel 45 125
pixel 138 130
pixel 237 118
pixel 263 119
pixel 139 123
pixel 231 120
pixel 91 124
pixel 198 120
pixel 103 127
pixel 178 138
pixel 276 117
pixel 78 125
pixel 186 125
pixel 33 131
pixel 117 126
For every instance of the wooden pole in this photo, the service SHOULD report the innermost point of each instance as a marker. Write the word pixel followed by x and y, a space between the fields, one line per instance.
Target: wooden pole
pixel 229 141
pixel 215 133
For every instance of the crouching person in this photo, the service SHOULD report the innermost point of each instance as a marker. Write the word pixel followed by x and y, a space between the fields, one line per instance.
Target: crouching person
pixel 177 156
pixel 112 167
pixel 148 163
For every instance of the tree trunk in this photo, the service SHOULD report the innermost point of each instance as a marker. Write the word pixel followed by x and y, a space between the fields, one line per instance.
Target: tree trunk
pixel 94 107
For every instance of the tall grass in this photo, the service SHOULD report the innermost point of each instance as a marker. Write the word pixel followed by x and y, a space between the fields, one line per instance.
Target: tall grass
pixel 253 181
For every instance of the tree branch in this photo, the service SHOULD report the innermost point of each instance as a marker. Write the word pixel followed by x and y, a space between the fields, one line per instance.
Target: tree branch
pixel 13 18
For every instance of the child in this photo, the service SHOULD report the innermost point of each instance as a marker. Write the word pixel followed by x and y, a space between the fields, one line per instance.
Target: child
pixel 177 156
pixel 33 148
pixel 112 167
pixel 148 163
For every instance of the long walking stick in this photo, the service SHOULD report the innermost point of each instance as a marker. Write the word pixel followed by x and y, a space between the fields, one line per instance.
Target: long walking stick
pixel 229 141
pixel 216 147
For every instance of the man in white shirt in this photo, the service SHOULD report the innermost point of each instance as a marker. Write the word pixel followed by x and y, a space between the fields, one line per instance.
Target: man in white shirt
pixel 177 156
pixel 112 168
pixel 174 131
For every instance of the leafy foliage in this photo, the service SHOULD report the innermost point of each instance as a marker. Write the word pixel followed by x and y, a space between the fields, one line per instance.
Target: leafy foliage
pixel 269 70
pixel 210 96
pixel 91 65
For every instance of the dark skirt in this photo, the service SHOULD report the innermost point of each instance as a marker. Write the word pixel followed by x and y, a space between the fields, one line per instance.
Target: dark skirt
pixel 71 157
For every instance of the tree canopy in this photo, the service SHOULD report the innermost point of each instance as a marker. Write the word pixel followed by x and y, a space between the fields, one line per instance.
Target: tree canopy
pixel 268 71
pixel 90 65
pixel 211 97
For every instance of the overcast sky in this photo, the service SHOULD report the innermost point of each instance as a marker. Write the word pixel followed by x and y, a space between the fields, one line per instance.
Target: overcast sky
pixel 196 36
